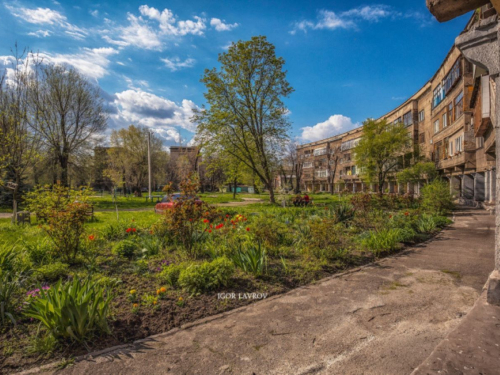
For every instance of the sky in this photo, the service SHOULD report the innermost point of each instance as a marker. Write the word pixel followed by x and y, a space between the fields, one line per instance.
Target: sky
pixel 346 60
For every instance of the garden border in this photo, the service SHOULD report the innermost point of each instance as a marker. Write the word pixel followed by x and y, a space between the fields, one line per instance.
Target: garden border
pixel 135 345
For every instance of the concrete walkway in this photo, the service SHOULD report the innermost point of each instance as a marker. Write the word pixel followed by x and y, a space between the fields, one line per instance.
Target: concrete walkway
pixel 384 319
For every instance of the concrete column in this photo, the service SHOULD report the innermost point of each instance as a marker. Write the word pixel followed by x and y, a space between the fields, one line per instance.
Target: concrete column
pixel 493 189
pixel 479 187
pixel 468 186
pixel 455 185
pixel 363 187
pixel 353 187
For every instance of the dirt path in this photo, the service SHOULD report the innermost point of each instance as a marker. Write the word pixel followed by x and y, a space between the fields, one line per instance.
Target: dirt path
pixel 384 319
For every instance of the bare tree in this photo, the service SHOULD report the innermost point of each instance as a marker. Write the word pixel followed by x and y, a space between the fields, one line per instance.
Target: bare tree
pixel 333 156
pixel 67 111
pixel 19 145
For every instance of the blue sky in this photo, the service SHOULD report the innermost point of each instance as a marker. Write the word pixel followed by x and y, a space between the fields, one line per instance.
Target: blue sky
pixel 347 60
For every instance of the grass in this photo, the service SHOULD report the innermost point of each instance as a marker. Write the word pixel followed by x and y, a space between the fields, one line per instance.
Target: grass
pixel 302 244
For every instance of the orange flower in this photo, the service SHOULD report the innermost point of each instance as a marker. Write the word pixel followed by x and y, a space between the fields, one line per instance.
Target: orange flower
pixel 91 237
pixel 155 302
pixel 163 289
pixel 158 291
pixel 135 305
pixel 407 213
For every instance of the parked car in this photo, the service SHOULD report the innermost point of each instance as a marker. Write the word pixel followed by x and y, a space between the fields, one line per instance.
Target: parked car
pixel 169 201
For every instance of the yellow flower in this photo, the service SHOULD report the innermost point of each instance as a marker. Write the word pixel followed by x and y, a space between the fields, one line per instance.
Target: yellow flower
pixel 163 289
pixel 180 298
pixel 155 302
pixel 133 291
pixel 135 305
pixel 158 291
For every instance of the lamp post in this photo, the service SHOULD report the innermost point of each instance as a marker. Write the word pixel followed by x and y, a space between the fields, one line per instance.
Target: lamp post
pixel 149 165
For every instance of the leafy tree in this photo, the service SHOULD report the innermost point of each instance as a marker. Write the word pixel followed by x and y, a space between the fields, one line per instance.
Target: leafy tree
pixel 246 115
pixel 378 153
pixel 67 111
pixel 418 172
pixel 128 156
pixel 436 197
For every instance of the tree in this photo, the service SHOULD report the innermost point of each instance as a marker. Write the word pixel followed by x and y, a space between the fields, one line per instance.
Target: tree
pixel 246 114
pixel 128 156
pixel 422 170
pixel 19 146
pixel 379 150
pixel 67 111
pixel 333 156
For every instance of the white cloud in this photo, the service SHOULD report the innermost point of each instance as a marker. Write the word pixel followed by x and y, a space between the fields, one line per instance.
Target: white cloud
pixel 164 116
pixel 40 33
pixel 333 126
pixel 47 16
pixel 94 13
pixel 92 63
pixel 175 63
pixel 152 27
pixel 350 19
pixel 219 25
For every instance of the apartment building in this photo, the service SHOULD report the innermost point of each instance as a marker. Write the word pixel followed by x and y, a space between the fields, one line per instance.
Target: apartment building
pixel 450 122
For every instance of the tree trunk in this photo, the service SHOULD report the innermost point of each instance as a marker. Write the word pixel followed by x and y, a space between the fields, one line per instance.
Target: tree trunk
pixel 271 193
pixel 63 163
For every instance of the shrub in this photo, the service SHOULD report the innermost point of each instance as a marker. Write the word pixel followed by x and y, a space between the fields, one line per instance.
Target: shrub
pixel 52 272
pixel 383 241
pixel 151 246
pixel 344 212
pixel 114 231
pixel 7 258
pixel 426 224
pixel 125 248
pixel 271 232
pixel 406 234
pixel 9 285
pixel 39 253
pixel 170 274
pixel 253 259
pixel 65 212
pixel 199 278
pixel 74 310
pixel 436 197
pixel 442 221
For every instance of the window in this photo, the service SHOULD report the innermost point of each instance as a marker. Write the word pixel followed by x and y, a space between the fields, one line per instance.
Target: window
pixel 408 118
pixel 421 138
pixel 452 77
pixel 397 121
pixel 421 116
pixel 436 126
pixel 349 144
pixel 322 174
pixel 459 105
pixel 438 96
pixel 445 120
pixel 353 169
pixel 308 164
pixel 320 151
pixel 459 144
pixel 450 148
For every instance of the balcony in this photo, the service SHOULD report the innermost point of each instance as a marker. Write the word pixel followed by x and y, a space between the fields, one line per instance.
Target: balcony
pixel 464 159
pixel 489 143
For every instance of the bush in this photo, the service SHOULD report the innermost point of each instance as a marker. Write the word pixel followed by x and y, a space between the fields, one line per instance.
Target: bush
pixel 383 241
pixel 52 272
pixel 199 278
pixel 125 248
pixel 9 285
pixel 436 197
pixel 39 253
pixel 426 224
pixel 442 221
pixel 7 258
pixel 114 231
pixel 344 213
pixel 253 259
pixel 74 310
pixel 65 212
pixel 151 246
pixel 271 232
pixel 170 274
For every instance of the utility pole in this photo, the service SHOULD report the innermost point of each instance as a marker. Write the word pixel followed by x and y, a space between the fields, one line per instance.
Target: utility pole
pixel 149 165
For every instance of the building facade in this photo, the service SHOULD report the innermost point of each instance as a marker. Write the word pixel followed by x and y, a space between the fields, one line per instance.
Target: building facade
pixel 450 122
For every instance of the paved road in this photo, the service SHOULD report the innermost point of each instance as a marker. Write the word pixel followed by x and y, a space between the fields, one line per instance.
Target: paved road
pixel 382 319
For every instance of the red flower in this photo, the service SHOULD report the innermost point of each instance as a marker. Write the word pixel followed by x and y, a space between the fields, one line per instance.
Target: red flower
pixel 245 219
pixel 227 215
pixel 206 221
pixel 190 219
pixel 134 230
pixel 128 230
pixel 390 216
pixel 248 229
pixel 407 213
pixel 210 225
pixel 210 231
pixel 91 237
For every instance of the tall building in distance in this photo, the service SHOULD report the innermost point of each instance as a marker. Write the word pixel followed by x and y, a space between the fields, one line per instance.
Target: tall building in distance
pixel 450 122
